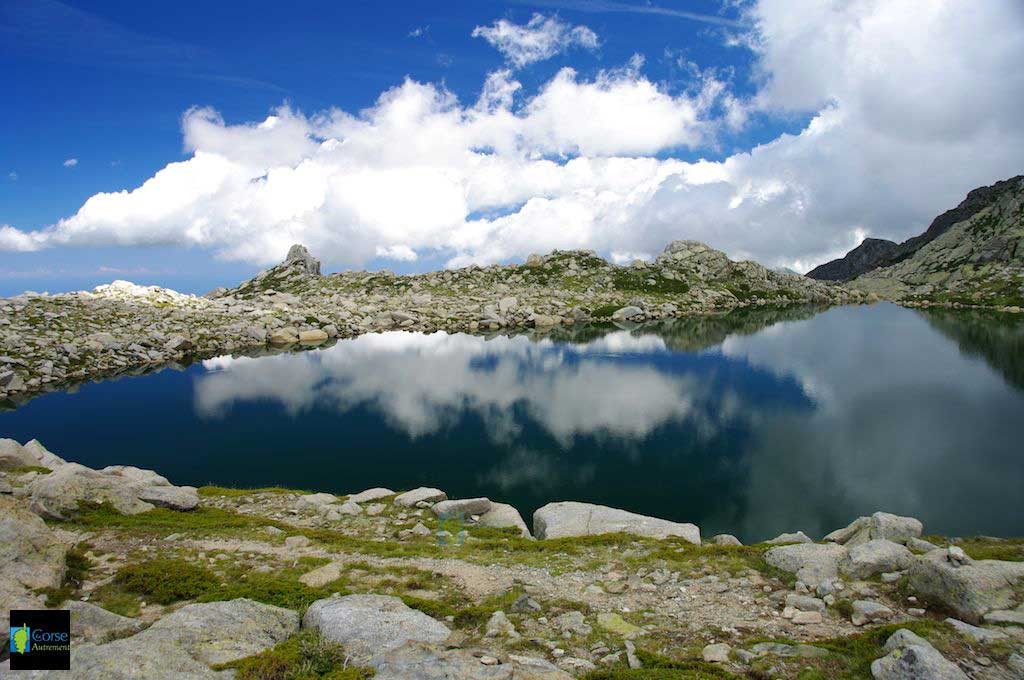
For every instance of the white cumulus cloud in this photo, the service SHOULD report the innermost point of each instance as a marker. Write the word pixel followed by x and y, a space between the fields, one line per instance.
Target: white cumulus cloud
pixel 539 39
pixel 908 109
pixel 71 162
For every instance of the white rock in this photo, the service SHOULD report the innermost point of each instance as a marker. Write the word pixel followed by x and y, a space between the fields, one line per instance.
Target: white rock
pixel 374 494
pixel 422 494
pixel 569 518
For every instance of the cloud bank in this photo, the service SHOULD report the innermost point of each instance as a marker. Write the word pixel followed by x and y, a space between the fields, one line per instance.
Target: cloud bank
pixel 908 108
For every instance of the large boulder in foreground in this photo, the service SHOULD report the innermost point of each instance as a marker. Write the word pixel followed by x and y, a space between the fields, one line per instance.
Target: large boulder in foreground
pixel 31 557
pixel 911 657
pixel 186 643
pixel 812 563
pixel 569 518
pixel 13 454
pixel 971 588
pixel 371 625
pixel 432 662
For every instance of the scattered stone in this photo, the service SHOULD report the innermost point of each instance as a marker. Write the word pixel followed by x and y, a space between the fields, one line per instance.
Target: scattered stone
pixel 798 537
pixel 724 539
pixel 867 611
pixel 297 542
pixel 321 576
pixel 350 508
pixel 881 525
pixel 499 626
pixel 570 518
pixel 614 623
pixel 314 501
pixel 805 603
pixel 312 337
pixel 181 498
pixel 572 622
pixel 803 618
pixel 716 653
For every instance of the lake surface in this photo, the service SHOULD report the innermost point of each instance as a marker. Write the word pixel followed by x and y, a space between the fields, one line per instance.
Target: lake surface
pixel 752 423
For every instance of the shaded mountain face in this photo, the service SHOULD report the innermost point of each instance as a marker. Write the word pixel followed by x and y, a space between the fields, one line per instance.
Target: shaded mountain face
pixel 863 258
pixel 976 261
pixel 873 253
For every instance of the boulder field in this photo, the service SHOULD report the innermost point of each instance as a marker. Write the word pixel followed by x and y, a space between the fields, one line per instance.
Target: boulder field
pixel 171 581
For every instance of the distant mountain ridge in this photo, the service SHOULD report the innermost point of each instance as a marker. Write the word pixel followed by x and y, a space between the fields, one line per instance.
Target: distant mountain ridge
pixel 975 261
pixel 874 253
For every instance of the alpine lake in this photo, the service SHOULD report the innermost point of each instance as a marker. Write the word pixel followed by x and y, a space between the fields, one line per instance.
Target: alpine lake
pixel 751 423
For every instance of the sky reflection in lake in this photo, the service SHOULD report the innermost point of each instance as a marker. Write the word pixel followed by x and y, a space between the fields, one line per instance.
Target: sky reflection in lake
pixel 753 423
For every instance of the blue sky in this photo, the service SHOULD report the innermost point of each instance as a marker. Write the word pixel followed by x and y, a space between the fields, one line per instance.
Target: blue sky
pixel 107 84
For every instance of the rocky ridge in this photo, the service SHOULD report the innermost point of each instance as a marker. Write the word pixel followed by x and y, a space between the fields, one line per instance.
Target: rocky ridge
pixel 50 341
pixel 242 581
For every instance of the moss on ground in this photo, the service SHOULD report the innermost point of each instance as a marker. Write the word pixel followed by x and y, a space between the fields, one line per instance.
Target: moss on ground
pixel 231 492
pixel 166 580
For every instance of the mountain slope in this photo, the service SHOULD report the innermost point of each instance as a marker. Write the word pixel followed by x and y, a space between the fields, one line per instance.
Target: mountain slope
pixel 873 253
pixel 978 260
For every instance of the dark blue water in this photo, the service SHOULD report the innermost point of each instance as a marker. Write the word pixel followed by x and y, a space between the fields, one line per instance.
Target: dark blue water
pixel 753 423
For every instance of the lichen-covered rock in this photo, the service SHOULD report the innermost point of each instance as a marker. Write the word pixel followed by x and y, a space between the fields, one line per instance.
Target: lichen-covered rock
pixel 880 525
pixel 186 643
pixel 569 518
pixel 371 625
pixel 911 657
pixel 971 588
pixel 875 557
pixel 31 556
pixel 813 563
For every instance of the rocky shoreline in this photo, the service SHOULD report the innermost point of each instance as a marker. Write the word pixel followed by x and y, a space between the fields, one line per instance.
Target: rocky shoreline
pixel 51 341
pixel 165 580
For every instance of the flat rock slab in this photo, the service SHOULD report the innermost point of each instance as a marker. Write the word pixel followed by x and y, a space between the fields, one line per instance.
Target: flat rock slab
pixel 423 494
pixel 569 518
pixel 876 556
pixel 461 508
pixel 370 625
pixel 374 494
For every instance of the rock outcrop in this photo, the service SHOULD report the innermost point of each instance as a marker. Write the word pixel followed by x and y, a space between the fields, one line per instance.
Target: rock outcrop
pixel 911 657
pixel 569 518
pixel 971 256
pixel 971 588
pixel 871 253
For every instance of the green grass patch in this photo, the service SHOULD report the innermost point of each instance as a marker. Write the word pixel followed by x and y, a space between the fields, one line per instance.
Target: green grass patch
pixel 303 656
pixel 232 492
pixel 24 469
pixel 281 589
pixel 657 667
pixel 114 598
pixel 166 580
